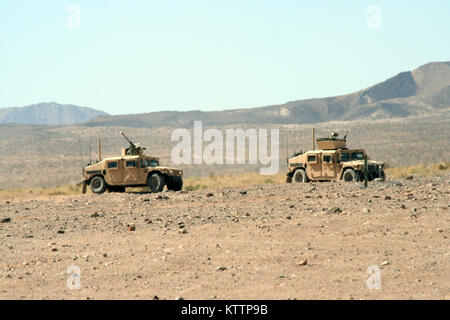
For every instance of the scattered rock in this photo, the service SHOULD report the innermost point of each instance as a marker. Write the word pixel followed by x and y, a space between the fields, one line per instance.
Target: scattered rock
pixel 209 194
pixel 409 177
pixel 54 249
pixel 61 231
pixel 334 210
pixel 384 263
pixel 95 215
pixel 387 198
pixel 182 231
pixel 222 268
pixel 303 262
pixel 5 220
pixel 179 298
pixel 243 192
pixel 131 227
pixel 155 298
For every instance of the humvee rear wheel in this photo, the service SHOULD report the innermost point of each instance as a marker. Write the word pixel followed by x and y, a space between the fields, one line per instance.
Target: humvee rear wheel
pixel 350 175
pixel 175 184
pixel 156 183
pixel 300 176
pixel 98 185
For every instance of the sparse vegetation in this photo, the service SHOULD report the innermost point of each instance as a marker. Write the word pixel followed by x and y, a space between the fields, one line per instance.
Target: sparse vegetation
pixel 417 170
pixel 40 191
pixel 229 181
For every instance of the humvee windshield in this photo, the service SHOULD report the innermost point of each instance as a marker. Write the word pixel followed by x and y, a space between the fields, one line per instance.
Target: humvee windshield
pixel 357 156
pixel 345 156
pixel 149 163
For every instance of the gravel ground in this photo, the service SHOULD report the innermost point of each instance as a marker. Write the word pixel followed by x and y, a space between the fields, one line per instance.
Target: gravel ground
pixel 273 241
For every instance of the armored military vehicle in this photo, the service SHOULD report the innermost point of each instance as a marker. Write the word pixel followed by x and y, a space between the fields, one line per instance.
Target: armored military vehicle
pixel 332 161
pixel 131 169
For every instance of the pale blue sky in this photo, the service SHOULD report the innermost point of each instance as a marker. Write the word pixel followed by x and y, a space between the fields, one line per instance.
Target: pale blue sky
pixel 142 56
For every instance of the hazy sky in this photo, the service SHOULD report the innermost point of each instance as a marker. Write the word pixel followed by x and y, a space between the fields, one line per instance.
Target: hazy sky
pixel 142 56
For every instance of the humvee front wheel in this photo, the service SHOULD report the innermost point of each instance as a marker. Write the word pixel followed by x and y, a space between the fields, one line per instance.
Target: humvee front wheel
pixel 175 184
pixel 156 183
pixel 98 185
pixel 350 175
pixel 300 176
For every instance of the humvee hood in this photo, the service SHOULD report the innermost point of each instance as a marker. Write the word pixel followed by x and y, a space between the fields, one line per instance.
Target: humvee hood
pixel 361 163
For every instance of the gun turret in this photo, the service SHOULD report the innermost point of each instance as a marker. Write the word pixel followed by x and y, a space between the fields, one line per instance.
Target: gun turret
pixel 132 149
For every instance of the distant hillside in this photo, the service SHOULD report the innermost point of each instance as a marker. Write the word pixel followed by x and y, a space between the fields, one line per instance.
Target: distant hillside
pixel 423 91
pixel 49 114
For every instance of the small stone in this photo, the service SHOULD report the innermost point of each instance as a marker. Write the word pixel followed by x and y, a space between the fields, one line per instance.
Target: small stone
pixel 155 298
pixel 209 194
pixel 387 198
pixel 303 262
pixel 243 192
pixel 384 263
pixel 61 231
pixel 5 220
pixel 182 231
pixel 334 210
pixel 439 230
pixel 179 298
pixel 409 177
pixel 95 215
pixel 54 249
pixel 366 210
pixel 222 268
pixel 131 227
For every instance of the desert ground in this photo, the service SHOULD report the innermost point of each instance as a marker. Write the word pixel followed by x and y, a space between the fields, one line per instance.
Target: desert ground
pixel 270 241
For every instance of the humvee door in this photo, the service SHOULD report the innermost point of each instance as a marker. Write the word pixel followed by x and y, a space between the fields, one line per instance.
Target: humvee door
pixel 314 166
pixel 134 173
pixel 329 166
pixel 114 172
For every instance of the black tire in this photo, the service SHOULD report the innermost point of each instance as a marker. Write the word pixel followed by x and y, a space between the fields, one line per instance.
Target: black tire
pixel 98 184
pixel 156 182
pixel 300 176
pixel 175 184
pixel 350 176
pixel 289 178
pixel 382 175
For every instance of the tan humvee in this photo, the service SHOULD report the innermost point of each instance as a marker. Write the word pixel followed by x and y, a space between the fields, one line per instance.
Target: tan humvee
pixel 333 161
pixel 132 169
